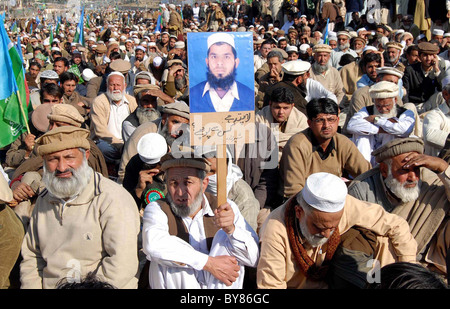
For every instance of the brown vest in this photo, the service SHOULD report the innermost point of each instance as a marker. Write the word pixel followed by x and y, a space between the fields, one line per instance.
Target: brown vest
pixel 177 227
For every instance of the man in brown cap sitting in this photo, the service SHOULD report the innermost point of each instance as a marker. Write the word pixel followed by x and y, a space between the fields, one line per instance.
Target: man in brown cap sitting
pixel 416 187
pixel 58 244
pixel 421 80
pixel 191 241
pixel 27 178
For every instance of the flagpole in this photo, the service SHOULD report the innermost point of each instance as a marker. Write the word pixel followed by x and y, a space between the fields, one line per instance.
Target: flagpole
pixel 25 117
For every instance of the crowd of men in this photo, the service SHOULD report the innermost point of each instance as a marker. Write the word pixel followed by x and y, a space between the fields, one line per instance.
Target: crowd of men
pixel 349 171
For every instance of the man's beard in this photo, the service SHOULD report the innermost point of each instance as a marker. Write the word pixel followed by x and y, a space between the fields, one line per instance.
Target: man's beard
pixel 393 60
pixel 182 136
pixel 392 113
pixel 66 188
pixel 115 95
pixel 314 240
pixel 343 46
pixel 180 83
pixel 400 190
pixel 146 114
pixel 183 210
pixel 320 68
pixel 224 82
pixel 406 27
pixel 99 60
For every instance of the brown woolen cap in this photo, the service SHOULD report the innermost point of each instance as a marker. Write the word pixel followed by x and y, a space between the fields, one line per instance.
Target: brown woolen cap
pixel 184 158
pixel 397 147
pixel 66 113
pixel 62 138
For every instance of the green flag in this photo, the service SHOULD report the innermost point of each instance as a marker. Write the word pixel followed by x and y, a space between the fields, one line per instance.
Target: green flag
pixel 13 110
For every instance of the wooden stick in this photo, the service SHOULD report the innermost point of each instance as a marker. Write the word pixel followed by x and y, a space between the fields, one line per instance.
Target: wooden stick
pixel 221 174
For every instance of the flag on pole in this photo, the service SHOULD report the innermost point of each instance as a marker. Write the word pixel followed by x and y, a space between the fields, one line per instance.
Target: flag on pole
pixel 57 25
pixel 79 35
pixel 158 23
pixel 51 35
pixel 14 95
pixel 325 36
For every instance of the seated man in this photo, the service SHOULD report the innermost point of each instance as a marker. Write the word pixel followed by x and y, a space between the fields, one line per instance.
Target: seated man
pixel 58 244
pixel 190 241
pixel 282 117
pixel 27 178
pixel 416 187
pixel 436 125
pixel 305 241
pixel 375 125
pixel 173 123
pixel 108 111
pixel 69 83
pixel 145 112
pixel 319 148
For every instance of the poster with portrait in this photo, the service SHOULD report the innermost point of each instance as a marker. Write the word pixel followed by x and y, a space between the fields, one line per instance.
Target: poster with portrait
pixel 221 87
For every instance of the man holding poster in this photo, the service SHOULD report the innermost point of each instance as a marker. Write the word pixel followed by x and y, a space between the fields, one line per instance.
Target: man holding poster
pixel 221 92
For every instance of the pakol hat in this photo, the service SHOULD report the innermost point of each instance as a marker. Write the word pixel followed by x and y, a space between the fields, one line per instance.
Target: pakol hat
pixel 428 48
pixel 184 158
pixel 383 89
pixel 65 113
pixel 397 147
pixel 178 108
pixel 62 138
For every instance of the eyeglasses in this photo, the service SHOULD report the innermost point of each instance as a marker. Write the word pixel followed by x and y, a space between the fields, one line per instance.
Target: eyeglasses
pixel 321 121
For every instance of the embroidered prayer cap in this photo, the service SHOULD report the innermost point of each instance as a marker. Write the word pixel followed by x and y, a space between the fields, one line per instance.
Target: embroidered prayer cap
pixel 291 48
pixel 184 157
pixel 395 45
pixel 66 113
pixel 383 90
pixel 178 108
pixel 6 194
pixel 397 147
pixel 39 116
pixel 428 48
pixel 304 48
pixel 390 71
pixel 322 48
pixel 120 65
pixel 144 87
pixel 62 138
pixel 296 67
pixel 101 48
pixel 88 74
pixel 179 45
pixel 220 37
pixel 438 32
pixel 325 192
pixel 151 148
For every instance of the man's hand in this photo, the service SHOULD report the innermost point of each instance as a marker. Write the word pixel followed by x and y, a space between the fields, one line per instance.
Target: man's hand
pixel 224 268
pixel 145 176
pixel 29 143
pixel 174 68
pixel 224 218
pixel 415 159
pixel 370 118
pixel 23 192
pixel 137 63
pixel 275 74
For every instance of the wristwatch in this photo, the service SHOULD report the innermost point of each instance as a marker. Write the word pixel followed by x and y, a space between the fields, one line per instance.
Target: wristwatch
pixel 376 119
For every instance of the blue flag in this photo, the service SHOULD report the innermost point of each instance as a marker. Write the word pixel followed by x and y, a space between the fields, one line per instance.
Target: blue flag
pixel 79 35
pixel 325 36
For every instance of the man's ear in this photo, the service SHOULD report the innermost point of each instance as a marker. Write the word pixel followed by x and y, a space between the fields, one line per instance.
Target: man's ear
pixel 236 63
pixel 384 169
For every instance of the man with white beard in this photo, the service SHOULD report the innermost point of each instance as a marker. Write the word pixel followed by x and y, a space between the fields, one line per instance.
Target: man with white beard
pixel 322 229
pixel 82 222
pixel 146 97
pixel 343 47
pixel 375 125
pixel 108 111
pixel 416 187
pixel 323 72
